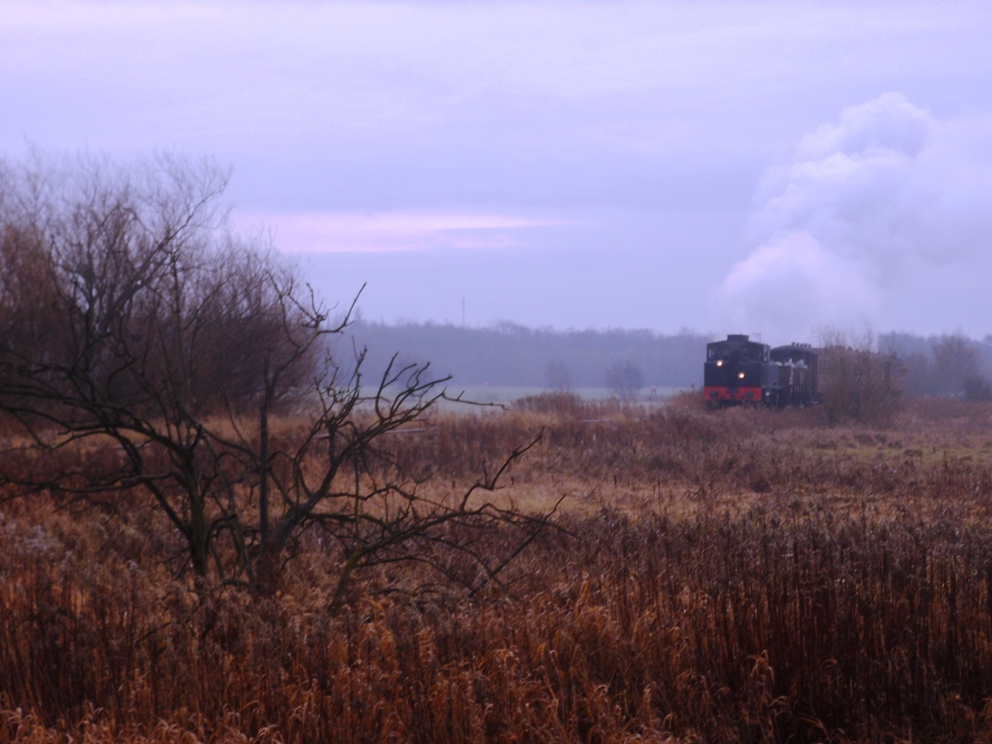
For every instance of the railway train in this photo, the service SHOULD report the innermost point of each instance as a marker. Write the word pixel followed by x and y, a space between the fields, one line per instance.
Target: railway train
pixel 741 371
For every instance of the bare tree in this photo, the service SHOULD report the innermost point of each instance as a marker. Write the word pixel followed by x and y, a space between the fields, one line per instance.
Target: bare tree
pixel 163 349
pixel 919 374
pixel 945 366
pixel 153 325
pixel 338 477
pixel 977 388
pixel 954 363
pixel 558 377
pixel 624 379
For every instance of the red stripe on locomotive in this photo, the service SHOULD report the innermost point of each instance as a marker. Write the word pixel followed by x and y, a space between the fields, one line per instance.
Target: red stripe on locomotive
pixel 738 394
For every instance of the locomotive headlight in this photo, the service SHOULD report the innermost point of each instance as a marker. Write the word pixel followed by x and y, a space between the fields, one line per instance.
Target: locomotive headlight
pixel 719 362
pixel 740 375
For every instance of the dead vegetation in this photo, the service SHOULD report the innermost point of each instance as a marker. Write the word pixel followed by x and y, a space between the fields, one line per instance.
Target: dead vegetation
pixel 739 575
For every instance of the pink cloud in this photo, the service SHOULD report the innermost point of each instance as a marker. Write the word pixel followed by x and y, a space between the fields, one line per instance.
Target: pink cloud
pixel 330 232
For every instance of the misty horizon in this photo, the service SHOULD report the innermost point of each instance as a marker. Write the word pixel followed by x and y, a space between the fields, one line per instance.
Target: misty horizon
pixel 514 356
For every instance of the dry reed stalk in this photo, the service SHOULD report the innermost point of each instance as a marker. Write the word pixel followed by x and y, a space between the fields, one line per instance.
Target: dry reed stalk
pixel 771 590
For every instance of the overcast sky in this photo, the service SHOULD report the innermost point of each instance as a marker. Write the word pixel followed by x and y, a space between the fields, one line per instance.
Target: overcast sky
pixel 763 167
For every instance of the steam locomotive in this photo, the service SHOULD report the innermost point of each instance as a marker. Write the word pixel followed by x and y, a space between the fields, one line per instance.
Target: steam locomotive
pixel 741 371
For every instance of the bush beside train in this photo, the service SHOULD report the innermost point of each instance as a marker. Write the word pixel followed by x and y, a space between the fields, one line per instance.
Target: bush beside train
pixel 741 371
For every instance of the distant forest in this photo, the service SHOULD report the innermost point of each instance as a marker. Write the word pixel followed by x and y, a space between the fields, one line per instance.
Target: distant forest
pixel 947 365
pixel 510 355
pixel 516 356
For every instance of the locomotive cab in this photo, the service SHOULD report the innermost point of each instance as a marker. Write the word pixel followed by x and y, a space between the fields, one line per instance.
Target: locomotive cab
pixel 736 371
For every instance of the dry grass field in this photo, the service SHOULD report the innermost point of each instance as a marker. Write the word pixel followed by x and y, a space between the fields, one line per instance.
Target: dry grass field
pixel 728 576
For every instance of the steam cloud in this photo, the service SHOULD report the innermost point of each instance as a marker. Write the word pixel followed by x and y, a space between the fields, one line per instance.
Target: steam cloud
pixel 863 206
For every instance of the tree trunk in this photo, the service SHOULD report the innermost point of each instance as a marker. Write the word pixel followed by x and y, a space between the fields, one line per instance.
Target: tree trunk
pixel 263 459
pixel 199 550
pixel 268 569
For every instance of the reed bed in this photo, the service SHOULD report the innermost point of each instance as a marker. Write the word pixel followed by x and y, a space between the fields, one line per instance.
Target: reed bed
pixel 770 579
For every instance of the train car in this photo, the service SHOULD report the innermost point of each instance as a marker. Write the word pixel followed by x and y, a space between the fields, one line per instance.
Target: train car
pixel 799 375
pixel 738 370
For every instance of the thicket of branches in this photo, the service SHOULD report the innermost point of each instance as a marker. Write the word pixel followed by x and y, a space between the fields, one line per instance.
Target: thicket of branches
pixel 857 382
pixel 144 351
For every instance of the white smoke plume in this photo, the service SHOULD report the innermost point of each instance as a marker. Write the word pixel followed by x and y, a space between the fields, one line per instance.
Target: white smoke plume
pixel 843 230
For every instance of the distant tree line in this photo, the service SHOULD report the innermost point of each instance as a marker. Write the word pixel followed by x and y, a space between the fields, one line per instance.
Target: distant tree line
pixel 950 365
pixel 512 355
